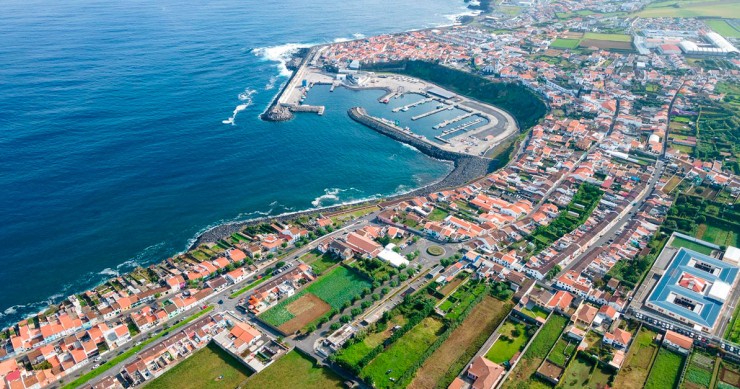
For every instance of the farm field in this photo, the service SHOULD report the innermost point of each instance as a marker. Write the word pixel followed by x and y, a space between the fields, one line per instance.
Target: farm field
pixel 202 370
pixel 293 370
pixel 728 376
pixel 699 371
pixel 512 339
pixel 688 9
pixel 329 291
pixel 523 374
pixel 665 371
pixel 356 351
pixel 403 354
pixel 607 37
pixel 582 373
pixel 679 242
pixel 459 301
pixel 319 262
pixel 718 236
pixel 562 43
pixel 637 364
pixel 450 358
pixel 723 28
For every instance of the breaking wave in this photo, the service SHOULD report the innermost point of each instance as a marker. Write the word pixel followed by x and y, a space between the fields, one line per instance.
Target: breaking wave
pixel 246 99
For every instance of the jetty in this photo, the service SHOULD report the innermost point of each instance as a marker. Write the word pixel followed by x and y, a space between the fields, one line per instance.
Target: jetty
pixel 412 105
pixel 453 120
pixel 441 108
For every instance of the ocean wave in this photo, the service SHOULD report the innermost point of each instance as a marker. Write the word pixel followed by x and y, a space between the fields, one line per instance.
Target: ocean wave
pixel 109 272
pixel 271 83
pixel 358 35
pixel 280 54
pixel 246 99
pixel 330 194
pixel 455 18
pixel 408 146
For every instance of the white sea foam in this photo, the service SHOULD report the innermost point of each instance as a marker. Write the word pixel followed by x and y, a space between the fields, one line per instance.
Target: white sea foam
pixel 280 54
pixel 330 194
pixel 271 84
pixel 109 272
pixel 358 35
pixel 408 146
pixel 455 17
pixel 246 99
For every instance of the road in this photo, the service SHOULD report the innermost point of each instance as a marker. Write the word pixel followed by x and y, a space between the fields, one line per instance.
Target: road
pixel 623 218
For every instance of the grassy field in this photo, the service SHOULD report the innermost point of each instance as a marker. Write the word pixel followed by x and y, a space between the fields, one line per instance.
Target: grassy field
pixel 562 43
pixel 723 28
pixel 719 236
pixel 636 366
pixel 562 352
pixel 512 340
pixel 438 215
pixel 450 358
pixel 319 262
pixel 210 367
pixel 293 370
pixel 665 371
pixel 522 376
pixel 607 37
pixel 689 9
pixel 335 288
pixel 462 298
pixel 535 312
pixel 583 373
pixel 355 352
pixel 403 354
pixel 679 242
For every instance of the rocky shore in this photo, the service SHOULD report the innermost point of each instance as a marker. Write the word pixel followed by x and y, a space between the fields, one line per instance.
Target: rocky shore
pixel 276 112
pixel 467 168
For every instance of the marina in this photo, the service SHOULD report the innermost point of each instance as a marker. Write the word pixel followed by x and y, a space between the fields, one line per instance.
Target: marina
pixel 440 108
pixel 412 105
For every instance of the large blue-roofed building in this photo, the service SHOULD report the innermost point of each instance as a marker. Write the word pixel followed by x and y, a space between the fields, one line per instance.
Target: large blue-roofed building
pixel 693 289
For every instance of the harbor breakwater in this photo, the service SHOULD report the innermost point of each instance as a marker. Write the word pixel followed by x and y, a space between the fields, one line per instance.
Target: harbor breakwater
pixel 467 168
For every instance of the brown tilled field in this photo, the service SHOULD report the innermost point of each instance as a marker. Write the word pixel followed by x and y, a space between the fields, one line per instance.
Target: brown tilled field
pixel 729 376
pixel 614 45
pixel 471 334
pixel 306 309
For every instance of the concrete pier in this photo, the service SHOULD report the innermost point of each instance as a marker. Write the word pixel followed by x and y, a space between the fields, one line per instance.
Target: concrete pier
pixel 462 127
pixel 432 112
pixel 412 105
pixel 454 120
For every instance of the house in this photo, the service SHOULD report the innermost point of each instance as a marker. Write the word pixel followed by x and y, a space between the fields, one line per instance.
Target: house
pixel 607 314
pixel 238 275
pixel 585 315
pixel 677 342
pixel 341 249
pixel 486 374
pixel 560 301
pixel 618 338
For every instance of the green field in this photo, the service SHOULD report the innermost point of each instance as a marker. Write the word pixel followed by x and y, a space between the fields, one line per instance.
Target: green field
pixel 690 9
pixel 210 367
pixel 699 371
pixel 732 333
pixel 535 354
pixel 335 288
pixel 319 262
pixel 665 371
pixel 562 352
pixel 437 215
pixel 719 236
pixel 352 354
pixel 608 37
pixel 512 339
pixel 459 301
pixel 723 28
pixel 562 43
pixel 293 370
pixel 535 312
pixel 636 365
pixel 403 354
pixel 679 242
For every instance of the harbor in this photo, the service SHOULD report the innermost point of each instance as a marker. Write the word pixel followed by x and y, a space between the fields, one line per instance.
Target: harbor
pixel 422 108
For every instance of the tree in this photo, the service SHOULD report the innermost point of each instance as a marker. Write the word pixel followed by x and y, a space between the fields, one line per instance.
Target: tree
pixel 334 326
pixel 375 297
pixel 355 311
pixel 310 328
pixel 345 319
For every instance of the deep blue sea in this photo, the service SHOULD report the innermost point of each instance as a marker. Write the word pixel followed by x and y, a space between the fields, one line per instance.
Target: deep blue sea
pixel 128 126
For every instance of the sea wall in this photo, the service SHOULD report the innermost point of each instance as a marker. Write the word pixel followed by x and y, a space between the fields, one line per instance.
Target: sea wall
pixel 467 168
pixel 276 112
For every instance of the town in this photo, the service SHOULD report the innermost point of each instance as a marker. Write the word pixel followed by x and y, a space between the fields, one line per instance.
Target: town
pixel 604 253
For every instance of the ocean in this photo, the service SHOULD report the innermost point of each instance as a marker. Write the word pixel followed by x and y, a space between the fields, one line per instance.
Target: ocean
pixel 127 127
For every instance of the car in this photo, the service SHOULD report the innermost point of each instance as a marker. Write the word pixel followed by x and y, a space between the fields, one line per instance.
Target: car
pixel 220 301
pixel 137 343
pixel 95 366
